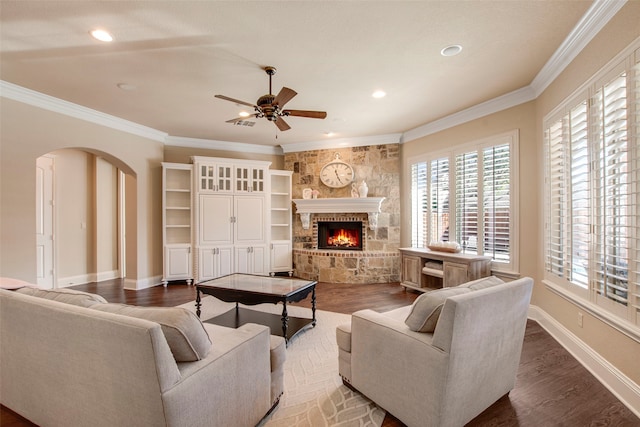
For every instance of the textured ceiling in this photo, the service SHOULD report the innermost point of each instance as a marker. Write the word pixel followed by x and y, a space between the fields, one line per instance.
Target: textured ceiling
pixel 179 54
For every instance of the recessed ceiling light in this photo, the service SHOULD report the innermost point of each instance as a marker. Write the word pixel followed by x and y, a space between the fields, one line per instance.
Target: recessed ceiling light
pixel 329 133
pixel 101 35
pixel 244 114
pixel 379 94
pixel 127 86
pixel 452 50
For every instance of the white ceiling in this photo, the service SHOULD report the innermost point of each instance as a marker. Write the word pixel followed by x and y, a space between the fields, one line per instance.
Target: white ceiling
pixel 179 54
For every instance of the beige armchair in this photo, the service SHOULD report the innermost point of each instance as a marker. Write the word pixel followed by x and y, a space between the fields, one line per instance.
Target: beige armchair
pixel 450 375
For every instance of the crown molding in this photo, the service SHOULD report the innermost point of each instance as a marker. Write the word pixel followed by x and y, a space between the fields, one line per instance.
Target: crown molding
pixel 494 105
pixel 598 15
pixel 46 102
pixel 178 141
pixel 329 144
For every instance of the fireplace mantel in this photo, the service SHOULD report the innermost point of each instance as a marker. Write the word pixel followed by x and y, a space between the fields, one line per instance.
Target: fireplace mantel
pixel 368 205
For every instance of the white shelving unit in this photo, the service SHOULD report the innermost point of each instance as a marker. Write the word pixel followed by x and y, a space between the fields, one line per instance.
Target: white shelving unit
pixel 176 222
pixel 280 222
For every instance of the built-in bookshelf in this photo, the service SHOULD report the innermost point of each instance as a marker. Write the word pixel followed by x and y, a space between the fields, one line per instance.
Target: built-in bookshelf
pixel 176 221
pixel 280 222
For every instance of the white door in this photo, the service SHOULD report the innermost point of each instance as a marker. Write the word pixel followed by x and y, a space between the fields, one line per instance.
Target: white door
pixel 44 222
pixel 207 264
pixel 242 258
pixel 259 260
pixel 178 262
pixel 280 256
pixel 225 261
pixel 249 214
pixel 216 212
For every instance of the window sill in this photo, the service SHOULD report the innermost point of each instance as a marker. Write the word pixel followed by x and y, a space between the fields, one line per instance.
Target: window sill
pixel 618 324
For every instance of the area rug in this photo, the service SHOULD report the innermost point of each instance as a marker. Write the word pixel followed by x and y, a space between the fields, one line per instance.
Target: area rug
pixel 314 395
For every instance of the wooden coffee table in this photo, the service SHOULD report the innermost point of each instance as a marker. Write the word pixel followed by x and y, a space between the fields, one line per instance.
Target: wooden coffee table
pixel 250 289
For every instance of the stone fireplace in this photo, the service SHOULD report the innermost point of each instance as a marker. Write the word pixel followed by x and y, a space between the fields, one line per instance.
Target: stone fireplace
pixel 378 214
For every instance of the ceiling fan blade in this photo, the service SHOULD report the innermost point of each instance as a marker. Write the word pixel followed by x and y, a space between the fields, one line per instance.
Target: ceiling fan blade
pixel 282 125
pixel 285 95
pixel 235 101
pixel 303 113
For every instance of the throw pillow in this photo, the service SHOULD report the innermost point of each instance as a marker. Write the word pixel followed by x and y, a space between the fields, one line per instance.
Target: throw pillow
pixel 67 296
pixel 11 283
pixel 182 329
pixel 427 307
pixel 485 282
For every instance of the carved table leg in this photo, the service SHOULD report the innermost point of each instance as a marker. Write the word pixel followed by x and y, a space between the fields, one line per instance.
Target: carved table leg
pixel 313 306
pixel 198 303
pixel 285 321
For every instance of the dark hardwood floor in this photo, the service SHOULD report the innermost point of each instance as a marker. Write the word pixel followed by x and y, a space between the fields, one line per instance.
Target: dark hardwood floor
pixel 552 388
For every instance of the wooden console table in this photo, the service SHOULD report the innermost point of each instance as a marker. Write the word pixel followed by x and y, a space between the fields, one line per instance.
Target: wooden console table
pixel 426 270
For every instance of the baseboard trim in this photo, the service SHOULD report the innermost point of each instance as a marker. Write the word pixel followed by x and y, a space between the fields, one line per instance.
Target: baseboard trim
pixel 627 391
pixel 108 275
pixel 138 284
pixel 80 279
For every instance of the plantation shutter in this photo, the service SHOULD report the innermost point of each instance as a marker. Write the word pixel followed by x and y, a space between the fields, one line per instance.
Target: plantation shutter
pixel 634 232
pixel 419 205
pixel 614 229
pixel 496 201
pixel 556 196
pixel 580 196
pixel 467 201
pixel 592 192
pixel 439 200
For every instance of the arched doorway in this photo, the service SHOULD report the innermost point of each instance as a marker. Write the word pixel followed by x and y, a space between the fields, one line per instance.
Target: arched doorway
pixel 88 218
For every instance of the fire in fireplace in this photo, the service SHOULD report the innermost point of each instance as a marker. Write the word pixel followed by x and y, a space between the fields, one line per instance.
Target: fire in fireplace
pixel 342 235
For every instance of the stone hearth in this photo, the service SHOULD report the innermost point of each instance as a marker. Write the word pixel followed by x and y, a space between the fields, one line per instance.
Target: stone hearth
pixel 346 267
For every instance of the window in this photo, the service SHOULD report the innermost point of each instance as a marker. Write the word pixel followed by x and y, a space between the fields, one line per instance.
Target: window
pixel 467 196
pixel 592 185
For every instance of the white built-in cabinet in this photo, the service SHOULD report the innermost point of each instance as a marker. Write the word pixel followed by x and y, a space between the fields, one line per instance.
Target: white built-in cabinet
pixel 231 218
pixel 223 216
pixel 280 212
pixel 176 222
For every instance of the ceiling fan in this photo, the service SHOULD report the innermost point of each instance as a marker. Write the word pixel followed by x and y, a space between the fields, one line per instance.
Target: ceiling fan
pixel 271 106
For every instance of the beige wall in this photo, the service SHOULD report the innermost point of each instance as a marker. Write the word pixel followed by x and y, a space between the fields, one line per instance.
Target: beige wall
pixel 28 132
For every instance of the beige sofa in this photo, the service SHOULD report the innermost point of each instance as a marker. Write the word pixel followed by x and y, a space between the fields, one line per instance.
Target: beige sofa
pixel 466 358
pixel 70 364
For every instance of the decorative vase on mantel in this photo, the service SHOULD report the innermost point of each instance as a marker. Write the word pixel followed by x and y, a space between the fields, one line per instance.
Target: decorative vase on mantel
pixel 363 189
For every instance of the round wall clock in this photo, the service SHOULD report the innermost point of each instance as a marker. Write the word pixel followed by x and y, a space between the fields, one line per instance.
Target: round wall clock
pixel 336 174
